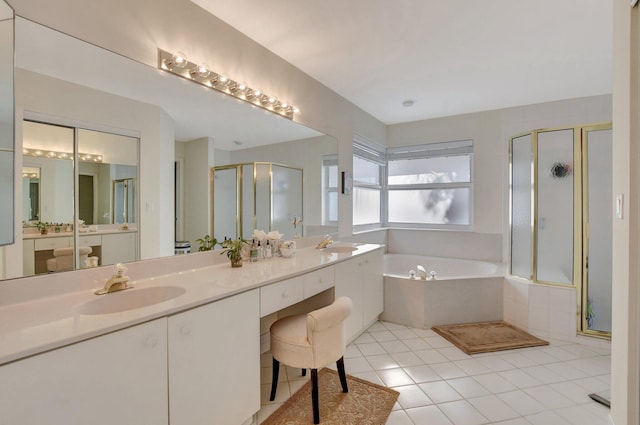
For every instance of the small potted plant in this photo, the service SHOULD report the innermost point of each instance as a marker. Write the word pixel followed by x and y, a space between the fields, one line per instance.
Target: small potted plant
pixel 43 226
pixel 233 249
pixel 207 243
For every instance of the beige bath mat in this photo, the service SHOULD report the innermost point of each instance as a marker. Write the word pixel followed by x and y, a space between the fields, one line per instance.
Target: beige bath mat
pixel 366 403
pixel 484 337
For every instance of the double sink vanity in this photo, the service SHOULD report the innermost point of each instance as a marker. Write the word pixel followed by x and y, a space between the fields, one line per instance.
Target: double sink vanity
pixel 182 347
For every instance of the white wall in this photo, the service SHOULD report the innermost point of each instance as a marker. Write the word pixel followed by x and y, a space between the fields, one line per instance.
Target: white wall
pixel 198 159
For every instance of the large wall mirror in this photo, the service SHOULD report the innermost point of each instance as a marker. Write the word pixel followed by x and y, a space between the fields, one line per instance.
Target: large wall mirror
pixel 101 233
pixel 6 126
pixel 114 192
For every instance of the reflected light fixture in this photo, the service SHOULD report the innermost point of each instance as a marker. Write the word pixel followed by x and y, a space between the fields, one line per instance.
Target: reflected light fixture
pixel 178 64
pixel 87 157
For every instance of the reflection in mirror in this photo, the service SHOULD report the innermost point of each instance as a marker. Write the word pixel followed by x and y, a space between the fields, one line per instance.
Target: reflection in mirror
pixel 125 94
pixel 30 194
pixel 259 195
pixel 49 235
pixel 6 125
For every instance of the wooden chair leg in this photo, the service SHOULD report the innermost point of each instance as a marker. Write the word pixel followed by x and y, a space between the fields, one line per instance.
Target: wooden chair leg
pixel 304 372
pixel 341 373
pixel 314 396
pixel 274 377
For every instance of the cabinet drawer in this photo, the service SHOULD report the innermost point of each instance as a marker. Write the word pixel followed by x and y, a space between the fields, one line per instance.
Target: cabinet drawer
pixel 93 240
pixel 317 281
pixel 52 243
pixel 280 295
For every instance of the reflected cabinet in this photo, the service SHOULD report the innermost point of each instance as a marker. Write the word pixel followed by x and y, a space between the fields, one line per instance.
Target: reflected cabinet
pixel 561 203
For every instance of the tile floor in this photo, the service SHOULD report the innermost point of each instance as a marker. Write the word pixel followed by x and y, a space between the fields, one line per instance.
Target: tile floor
pixel 439 384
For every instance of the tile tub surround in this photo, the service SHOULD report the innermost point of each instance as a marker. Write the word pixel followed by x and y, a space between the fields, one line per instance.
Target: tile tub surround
pixel 41 313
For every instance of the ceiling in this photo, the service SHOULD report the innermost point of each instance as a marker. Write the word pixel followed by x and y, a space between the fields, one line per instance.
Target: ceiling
pixel 449 56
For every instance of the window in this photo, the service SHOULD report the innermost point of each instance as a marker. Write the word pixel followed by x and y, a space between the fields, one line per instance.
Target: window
pixel 430 184
pixel 368 177
pixel 330 186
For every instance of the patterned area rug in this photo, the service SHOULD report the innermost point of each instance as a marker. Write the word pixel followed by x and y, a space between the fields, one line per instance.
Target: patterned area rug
pixel 365 404
pixel 473 338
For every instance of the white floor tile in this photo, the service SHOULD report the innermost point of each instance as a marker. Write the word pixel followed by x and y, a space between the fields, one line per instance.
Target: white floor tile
pixel 395 346
pixel 440 391
pixel 495 383
pixel 430 415
pixel 493 408
pixel 399 417
pixel 407 359
pixel 519 378
pixel 394 377
pixel 448 370
pixel 412 396
pixel 468 387
pixel 521 402
pixel 422 373
pixel 550 398
pixel 417 344
pixel 539 385
pixel 472 367
pixel 431 356
pixel 462 413
pixel 382 361
pixel 546 418
pixel 371 349
pixel 383 336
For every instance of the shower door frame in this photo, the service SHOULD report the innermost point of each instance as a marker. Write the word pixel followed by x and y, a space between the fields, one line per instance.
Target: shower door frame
pixel 580 196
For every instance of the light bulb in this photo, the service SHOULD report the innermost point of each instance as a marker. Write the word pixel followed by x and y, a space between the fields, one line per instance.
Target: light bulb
pixel 179 60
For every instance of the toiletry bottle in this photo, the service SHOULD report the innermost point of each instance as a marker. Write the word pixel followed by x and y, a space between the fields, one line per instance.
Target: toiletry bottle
pixel 253 254
pixel 260 251
pixel 267 250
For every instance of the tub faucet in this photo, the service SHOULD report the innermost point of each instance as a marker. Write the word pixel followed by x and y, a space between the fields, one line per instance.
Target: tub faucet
pixel 324 242
pixel 117 282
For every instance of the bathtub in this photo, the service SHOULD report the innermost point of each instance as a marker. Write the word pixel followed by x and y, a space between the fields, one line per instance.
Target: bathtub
pixel 464 291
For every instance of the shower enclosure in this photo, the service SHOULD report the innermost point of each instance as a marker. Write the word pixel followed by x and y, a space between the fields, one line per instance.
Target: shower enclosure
pixel 561 223
pixel 256 195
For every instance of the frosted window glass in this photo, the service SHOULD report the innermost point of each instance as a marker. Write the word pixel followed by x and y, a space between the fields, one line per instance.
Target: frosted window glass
pixel 365 171
pixel 599 215
pixel 430 170
pixel 332 208
pixel 521 192
pixel 224 193
pixel 332 171
pixel 287 201
pixel 430 206
pixel 555 207
pixel 366 206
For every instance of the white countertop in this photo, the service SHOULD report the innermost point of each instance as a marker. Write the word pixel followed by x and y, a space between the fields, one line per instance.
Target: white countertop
pixel 31 327
pixel 51 234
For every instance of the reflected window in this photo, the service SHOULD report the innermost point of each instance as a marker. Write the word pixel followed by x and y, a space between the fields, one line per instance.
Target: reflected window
pixel 330 190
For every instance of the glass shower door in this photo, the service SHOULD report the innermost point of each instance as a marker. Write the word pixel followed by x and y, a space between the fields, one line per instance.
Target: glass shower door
pixel 555 207
pixel 521 206
pixel 597 221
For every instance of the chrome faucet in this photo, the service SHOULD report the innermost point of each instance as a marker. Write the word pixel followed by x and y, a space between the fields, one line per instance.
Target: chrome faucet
pixel 118 282
pixel 324 242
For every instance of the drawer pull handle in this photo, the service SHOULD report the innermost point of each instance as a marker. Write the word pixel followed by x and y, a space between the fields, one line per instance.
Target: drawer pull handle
pixel 185 330
pixel 285 294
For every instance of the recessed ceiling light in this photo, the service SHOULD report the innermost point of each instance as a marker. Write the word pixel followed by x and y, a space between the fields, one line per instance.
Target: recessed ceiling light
pixel 408 103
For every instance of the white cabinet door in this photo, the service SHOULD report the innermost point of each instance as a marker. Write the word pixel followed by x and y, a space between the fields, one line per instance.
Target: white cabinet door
pixel 214 362
pixel 373 286
pixel 349 284
pixel 119 248
pixel 119 378
pixel 361 280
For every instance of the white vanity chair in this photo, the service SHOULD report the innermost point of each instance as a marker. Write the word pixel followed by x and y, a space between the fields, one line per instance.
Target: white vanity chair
pixel 311 341
pixel 63 259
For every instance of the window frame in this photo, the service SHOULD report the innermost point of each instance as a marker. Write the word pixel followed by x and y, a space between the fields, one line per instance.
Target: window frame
pixel 425 151
pixel 376 154
pixel 327 162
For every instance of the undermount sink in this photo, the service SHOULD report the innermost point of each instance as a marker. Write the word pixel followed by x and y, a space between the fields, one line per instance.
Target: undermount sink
pixel 130 299
pixel 340 249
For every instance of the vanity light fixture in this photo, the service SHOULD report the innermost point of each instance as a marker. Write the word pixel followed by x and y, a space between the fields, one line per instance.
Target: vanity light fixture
pixel 88 157
pixel 178 64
